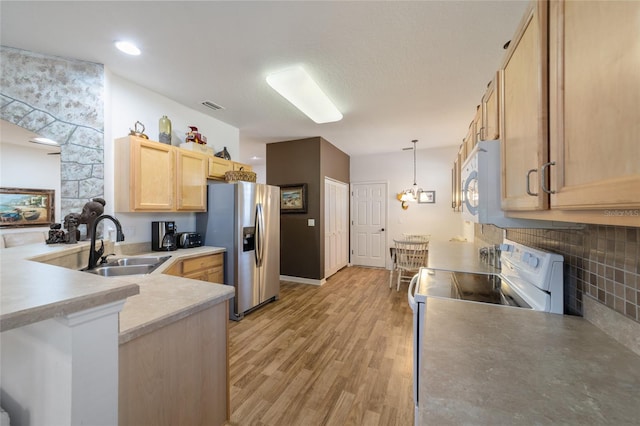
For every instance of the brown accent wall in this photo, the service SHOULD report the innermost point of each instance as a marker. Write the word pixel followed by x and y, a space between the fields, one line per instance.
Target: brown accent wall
pixel 601 261
pixel 304 161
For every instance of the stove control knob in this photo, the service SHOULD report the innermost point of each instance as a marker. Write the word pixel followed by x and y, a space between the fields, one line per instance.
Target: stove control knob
pixel 533 261
pixel 506 247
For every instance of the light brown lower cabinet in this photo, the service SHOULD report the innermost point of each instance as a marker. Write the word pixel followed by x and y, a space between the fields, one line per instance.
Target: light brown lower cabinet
pixel 178 374
pixel 208 267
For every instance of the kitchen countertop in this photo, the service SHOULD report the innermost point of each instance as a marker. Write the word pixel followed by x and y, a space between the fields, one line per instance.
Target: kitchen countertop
pixel 486 364
pixel 458 257
pixel 494 365
pixel 164 299
pixel 32 291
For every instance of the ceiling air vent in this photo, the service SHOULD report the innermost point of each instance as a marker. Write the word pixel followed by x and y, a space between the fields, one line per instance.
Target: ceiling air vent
pixel 211 105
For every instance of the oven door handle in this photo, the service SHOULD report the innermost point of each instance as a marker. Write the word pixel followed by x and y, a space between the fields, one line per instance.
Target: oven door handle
pixel 410 297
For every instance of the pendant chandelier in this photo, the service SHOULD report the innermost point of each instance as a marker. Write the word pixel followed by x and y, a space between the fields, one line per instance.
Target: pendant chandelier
pixel 412 193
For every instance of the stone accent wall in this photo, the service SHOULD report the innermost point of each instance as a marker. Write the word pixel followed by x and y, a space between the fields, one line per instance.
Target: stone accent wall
pixel 61 99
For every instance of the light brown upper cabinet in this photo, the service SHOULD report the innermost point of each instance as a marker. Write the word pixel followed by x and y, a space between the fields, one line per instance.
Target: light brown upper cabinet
pixel 219 166
pixel 471 139
pixel 524 113
pixel 155 177
pixel 489 129
pixel 191 181
pixel 594 63
pixel 144 175
pixel 568 97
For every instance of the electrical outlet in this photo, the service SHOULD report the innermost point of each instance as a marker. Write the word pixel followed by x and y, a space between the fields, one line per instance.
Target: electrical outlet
pixel 311 222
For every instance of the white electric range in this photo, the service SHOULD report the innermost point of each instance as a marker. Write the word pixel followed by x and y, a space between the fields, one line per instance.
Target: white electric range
pixel 518 277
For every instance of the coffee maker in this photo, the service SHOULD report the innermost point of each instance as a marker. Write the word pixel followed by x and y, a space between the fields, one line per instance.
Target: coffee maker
pixel 163 236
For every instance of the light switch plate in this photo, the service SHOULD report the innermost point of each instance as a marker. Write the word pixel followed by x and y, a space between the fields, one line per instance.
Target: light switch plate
pixel 311 222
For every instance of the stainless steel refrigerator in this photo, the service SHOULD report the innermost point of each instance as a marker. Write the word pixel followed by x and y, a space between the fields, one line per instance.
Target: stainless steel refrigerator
pixel 244 218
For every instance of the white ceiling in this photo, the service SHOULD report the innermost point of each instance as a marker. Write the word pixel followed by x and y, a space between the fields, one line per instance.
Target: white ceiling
pixel 397 70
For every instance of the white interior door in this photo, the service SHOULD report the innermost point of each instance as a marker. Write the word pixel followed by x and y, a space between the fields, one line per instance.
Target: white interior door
pixel 336 254
pixel 368 223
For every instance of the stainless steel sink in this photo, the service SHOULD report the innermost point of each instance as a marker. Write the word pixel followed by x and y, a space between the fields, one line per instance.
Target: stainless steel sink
pixel 129 266
pixel 142 260
pixel 118 271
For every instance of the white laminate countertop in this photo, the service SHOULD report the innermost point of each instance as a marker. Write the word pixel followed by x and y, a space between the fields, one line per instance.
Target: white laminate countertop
pixel 458 257
pixel 492 365
pixel 164 299
pixel 32 291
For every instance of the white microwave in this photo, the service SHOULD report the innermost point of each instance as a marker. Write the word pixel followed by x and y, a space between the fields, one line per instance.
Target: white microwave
pixel 481 186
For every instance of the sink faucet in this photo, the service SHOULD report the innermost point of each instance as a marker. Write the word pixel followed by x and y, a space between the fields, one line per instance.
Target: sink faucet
pixel 94 254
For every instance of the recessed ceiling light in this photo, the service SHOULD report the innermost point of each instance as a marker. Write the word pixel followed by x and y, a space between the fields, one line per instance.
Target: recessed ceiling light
pixel 127 47
pixel 296 86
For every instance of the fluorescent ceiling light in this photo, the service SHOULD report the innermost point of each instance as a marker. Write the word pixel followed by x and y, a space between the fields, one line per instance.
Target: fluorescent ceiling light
pixel 128 48
pixel 296 86
pixel 44 141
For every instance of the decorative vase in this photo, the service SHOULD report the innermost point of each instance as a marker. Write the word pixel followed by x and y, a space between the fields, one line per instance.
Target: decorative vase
pixel 165 130
pixel 224 154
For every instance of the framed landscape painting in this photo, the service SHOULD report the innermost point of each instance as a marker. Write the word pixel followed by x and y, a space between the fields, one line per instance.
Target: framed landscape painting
pixel 20 207
pixel 293 198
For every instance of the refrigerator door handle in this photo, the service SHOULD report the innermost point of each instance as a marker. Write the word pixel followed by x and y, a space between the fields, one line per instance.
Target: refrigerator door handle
pixel 410 293
pixel 259 237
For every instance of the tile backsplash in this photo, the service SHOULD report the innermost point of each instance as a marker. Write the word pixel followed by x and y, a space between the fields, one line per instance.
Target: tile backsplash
pixel 601 261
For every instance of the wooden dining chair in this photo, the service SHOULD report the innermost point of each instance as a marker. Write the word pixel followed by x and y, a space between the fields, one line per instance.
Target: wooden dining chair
pixel 410 256
pixel 416 237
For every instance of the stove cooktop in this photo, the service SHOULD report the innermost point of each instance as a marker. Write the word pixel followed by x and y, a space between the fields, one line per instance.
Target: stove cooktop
pixel 484 289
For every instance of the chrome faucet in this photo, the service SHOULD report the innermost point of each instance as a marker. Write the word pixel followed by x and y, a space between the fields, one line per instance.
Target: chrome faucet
pixel 94 254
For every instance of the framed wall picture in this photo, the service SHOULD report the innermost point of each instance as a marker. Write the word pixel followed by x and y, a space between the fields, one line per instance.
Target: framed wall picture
pixel 428 197
pixel 20 207
pixel 293 198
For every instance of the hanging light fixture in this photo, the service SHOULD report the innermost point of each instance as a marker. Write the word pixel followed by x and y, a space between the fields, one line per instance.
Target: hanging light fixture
pixel 412 193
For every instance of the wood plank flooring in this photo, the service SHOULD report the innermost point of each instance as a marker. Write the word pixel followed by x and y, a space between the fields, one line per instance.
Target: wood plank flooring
pixel 339 354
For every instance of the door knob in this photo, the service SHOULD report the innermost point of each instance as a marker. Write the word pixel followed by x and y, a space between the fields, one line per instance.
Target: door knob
pixel 382 230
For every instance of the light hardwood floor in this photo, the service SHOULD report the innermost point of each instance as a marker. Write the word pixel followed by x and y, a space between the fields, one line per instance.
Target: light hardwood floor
pixel 339 354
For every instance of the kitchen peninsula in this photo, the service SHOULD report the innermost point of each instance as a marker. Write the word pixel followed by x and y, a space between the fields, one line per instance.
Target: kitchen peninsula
pixel 488 364
pixel 63 332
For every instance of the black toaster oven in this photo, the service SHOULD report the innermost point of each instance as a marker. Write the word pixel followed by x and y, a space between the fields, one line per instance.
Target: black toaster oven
pixel 189 239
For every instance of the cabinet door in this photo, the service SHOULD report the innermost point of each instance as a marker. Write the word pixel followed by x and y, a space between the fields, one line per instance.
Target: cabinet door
pixel 470 140
pixel 240 166
pixel 208 267
pixel 218 167
pixel 191 184
pixel 524 113
pixel 216 275
pixel 489 130
pixel 152 176
pixel 595 104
